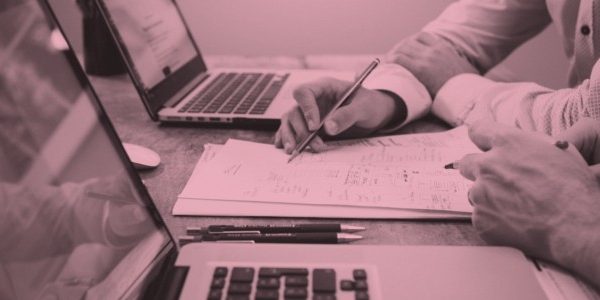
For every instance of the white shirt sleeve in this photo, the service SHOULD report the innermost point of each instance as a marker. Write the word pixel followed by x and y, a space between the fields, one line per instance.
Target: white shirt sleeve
pixel 396 79
pixel 466 98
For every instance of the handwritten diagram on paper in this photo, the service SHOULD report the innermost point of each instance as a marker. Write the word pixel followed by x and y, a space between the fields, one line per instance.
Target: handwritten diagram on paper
pixel 409 177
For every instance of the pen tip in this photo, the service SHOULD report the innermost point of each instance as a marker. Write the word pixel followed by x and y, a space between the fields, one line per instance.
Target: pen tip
pixel 294 154
pixel 450 166
pixel 352 228
pixel 347 238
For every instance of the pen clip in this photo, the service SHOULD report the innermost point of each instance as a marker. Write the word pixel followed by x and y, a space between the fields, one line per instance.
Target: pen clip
pixel 235 231
pixel 236 241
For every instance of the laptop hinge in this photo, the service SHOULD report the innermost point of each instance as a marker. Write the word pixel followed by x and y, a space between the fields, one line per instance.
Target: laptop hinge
pixel 171 288
pixel 182 94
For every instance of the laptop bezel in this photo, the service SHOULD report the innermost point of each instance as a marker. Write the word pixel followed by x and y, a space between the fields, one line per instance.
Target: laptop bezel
pixel 171 89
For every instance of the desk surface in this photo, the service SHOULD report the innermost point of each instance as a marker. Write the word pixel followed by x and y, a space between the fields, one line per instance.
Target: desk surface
pixel 180 148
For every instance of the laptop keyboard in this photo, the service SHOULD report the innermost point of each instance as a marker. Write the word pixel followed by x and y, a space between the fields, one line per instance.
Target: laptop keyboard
pixel 237 93
pixel 269 283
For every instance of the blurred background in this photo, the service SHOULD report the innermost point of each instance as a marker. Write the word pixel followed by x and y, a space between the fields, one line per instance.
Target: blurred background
pixel 348 27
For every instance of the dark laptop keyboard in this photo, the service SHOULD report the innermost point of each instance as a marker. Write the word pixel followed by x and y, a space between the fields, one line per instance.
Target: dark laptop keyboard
pixel 237 93
pixel 286 283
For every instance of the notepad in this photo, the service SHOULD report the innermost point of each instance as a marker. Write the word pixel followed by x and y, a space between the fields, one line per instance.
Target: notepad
pixel 376 177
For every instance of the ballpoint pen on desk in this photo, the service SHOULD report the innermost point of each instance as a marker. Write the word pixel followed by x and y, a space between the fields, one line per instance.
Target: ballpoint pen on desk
pixel 291 228
pixel 302 237
pixel 341 102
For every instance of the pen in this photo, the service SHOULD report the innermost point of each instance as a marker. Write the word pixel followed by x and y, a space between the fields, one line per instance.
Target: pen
pixel 293 228
pixel 562 145
pixel 341 102
pixel 302 237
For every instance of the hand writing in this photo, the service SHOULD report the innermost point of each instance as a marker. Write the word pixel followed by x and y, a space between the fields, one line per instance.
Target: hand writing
pixel 368 111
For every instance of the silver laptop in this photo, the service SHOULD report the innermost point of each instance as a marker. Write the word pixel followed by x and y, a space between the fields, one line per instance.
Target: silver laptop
pixel 170 75
pixel 77 222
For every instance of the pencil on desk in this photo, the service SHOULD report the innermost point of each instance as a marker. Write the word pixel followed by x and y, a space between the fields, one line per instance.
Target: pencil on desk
pixel 341 102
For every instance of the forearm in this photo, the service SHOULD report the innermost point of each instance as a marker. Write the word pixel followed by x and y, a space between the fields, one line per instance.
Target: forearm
pixel 529 106
pixel 487 31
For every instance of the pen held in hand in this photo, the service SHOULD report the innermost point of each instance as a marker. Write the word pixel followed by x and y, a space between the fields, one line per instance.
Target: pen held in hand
pixel 345 98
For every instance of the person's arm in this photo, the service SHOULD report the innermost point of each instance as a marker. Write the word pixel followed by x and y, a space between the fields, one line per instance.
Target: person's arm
pixel 470 36
pixel 467 98
pixel 487 31
pixel 535 196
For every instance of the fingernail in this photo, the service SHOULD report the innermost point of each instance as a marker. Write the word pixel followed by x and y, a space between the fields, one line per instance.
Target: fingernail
pixel 287 146
pixel 309 121
pixel 332 127
pixel 561 145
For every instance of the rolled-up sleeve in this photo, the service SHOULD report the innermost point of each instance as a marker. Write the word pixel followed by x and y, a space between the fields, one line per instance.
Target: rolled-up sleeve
pixel 397 80
pixel 529 106
pixel 487 31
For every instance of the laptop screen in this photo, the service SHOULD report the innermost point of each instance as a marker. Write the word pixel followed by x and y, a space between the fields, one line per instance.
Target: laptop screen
pixel 75 220
pixel 155 36
pixel 157 47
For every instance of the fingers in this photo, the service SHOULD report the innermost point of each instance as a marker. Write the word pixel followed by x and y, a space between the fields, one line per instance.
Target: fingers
pixel 585 136
pixel 342 119
pixel 477 194
pixel 470 166
pixel 315 96
pixel 306 97
pixel 293 130
pixel 428 39
pixel 487 134
pixel 286 135
pixel 596 171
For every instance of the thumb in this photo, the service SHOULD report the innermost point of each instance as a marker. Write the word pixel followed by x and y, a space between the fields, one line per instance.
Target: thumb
pixel 585 136
pixel 596 171
pixel 128 221
pixel 342 119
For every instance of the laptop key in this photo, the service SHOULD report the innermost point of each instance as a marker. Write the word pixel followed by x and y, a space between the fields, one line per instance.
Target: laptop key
pixel 239 288
pixel 295 293
pixel 277 272
pixel 220 272
pixel 361 285
pixel 238 297
pixel 268 283
pixel 323 281
pixel 296 281
pixel 245 275
pixel 359 274
pixel 361 295
pixel 214 295
pixel 347 285
pixel 266 294
pixel 217 283
pixel 324 297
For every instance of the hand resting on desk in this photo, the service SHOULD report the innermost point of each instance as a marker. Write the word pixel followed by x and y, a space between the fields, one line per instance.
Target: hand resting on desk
pixel 367 111
pixel 531 195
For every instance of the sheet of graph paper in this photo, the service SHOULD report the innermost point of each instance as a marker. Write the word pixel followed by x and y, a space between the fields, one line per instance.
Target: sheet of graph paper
pixel 409 177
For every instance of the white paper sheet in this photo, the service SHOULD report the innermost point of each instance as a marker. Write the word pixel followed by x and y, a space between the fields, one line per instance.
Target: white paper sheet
pixel 361 173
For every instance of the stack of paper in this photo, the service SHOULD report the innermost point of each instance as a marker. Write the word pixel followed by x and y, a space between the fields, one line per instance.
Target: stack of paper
pixel 385 177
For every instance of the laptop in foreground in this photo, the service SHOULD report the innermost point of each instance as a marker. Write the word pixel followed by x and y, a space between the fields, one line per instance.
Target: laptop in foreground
pixel 172 79
pixel 77 222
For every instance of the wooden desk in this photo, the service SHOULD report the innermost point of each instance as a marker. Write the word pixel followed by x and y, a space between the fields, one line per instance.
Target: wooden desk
pixel 180 148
